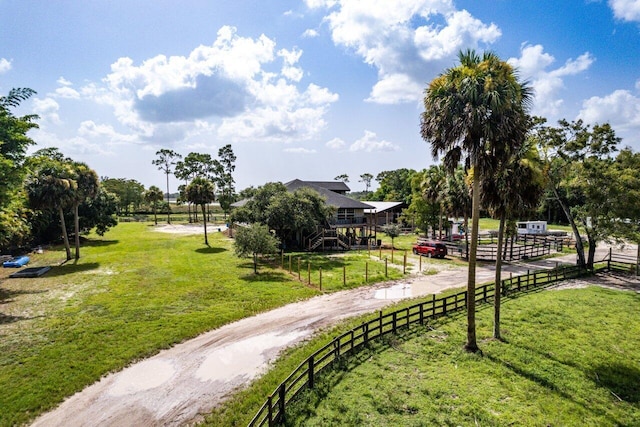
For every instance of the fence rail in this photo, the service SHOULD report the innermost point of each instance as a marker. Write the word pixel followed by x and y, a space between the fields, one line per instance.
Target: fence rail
pixel 273 411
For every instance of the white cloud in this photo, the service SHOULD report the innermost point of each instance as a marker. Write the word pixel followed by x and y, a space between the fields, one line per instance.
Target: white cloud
pixel 310 33
pixel 621 109
pixel 628 10
pixel 533 65
pixel 300 150
pixel 63 82
pixel 335 144
pixel 47 109
pixel 370 143
pixel 225 85
pixel 5 65
pixel 291 58
pixel 395 88
pixel 90 129
pixel 67 92
pixel 411 40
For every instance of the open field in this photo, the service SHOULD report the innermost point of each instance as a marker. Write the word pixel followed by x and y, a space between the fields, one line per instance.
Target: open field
pixel 132 293
pixel 570 357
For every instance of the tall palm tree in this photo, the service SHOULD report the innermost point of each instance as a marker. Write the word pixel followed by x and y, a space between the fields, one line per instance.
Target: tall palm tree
pixel 165 161
pixel 514 188
pixel 52 186
pixel 87 187
pixel 152 196
pixel 474 110
pixel 433 187
pixel 201 192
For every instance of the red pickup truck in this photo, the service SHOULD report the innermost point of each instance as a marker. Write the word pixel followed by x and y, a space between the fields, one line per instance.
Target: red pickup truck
pixel 430 249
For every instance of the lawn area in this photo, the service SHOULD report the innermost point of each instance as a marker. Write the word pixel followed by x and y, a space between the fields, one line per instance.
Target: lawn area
pixel 132 293
pixel 570 358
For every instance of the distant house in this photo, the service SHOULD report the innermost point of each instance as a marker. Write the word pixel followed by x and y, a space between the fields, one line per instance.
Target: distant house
pixel 383 213
pixel 350 226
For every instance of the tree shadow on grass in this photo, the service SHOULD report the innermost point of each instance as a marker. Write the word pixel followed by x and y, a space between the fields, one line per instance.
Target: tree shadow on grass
pixel 99 242
pixel 266 276
pixel 5 320
pixel 622 380
pixel 61 270
pixel 7 295
pixel 210 250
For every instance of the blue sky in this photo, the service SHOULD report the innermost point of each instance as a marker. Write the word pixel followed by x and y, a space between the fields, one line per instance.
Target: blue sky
pixel 301 89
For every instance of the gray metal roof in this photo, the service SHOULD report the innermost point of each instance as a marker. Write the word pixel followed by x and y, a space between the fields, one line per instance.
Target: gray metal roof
pixel 332 198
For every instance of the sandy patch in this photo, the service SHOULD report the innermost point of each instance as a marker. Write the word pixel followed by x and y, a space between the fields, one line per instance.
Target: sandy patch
pixel 189 228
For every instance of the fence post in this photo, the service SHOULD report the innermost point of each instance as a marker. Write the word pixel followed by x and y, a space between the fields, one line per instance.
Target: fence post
pixel 484 295
pixel 298 268
pixel 281 397
pixel 391 254
pixel 320 270
pixel 380 322
pixel 366 272
pixel 310 368
pixel 289 263
pixel 344 275
pixel 422 313
pixel 270 410
pixel 433 305
pixel 404 264
pixel 420 263
pixel 309 271
pixel 395 319
pixel 366 333
pixel 386 270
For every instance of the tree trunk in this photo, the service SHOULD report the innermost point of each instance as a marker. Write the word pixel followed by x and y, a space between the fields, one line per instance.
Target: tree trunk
pixel 76 224
pixel 255 263
pixel 65 236
pixel 204 217
pixel 466 235
pixel 155 210
pixel 472 345
pixel 592 251
pixel 168 205
pixel 574 227
pixel 498 282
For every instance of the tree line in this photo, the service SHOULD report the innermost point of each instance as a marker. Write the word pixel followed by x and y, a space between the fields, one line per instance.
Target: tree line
pixel 40 194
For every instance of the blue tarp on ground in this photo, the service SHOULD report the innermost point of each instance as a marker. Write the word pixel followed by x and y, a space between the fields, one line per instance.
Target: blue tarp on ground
pixel 16 262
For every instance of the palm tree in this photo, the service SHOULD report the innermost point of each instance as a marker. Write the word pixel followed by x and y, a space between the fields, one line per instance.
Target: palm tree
pixel 87 188
pixel 52 186
pixel 433 187
pixel 514 188
pixel 457 199
pixel 201 192
pixel 474 110
pixel 166 159
pixel 154 195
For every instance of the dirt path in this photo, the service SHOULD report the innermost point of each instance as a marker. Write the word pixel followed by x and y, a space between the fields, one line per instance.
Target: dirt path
pixel 179 385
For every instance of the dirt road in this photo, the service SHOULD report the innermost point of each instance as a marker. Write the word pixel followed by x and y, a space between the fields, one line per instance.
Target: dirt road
pixel 179 385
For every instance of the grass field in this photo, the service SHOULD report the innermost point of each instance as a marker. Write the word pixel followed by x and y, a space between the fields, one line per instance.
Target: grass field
pixel 570 358
pixel 132 293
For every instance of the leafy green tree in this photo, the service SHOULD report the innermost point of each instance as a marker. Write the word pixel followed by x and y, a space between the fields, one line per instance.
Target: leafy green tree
pixel 130 193
pixel 201 192
pixel 87 184
pixel 476 110
pixel 14 142
pixel 391 230
pixel 52 187
pixel 99 212
pixel 152 196
pixel 395 186
pixel 165 162
pixel 433 187
pixel 291 215
pixel 579 160
pixel 457 198
pixel 421 211
pixel 254 240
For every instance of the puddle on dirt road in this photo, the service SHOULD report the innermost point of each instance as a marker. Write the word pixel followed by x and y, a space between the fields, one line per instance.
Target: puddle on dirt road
pixel 142 376
pixel 399 291
pixel 244 358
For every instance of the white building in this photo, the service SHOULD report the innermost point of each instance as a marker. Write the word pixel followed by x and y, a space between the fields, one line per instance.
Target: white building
pixel 532 227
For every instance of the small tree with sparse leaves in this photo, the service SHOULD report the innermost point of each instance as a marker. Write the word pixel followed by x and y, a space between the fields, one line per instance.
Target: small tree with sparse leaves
pixel 254 240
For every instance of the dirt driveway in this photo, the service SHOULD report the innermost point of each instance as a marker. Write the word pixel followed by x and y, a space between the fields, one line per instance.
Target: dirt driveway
pixel 179 385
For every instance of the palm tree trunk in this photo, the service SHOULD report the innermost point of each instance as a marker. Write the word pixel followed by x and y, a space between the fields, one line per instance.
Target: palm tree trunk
pixel 65 236
pixel 498 278
pixel 472 344
pixel 466 235
pixel 204 217
pixel 76 223
pixel 168 205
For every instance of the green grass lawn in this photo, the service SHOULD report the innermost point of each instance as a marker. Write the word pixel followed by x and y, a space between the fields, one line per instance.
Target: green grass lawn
pixel 570 358
pixel 132 293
